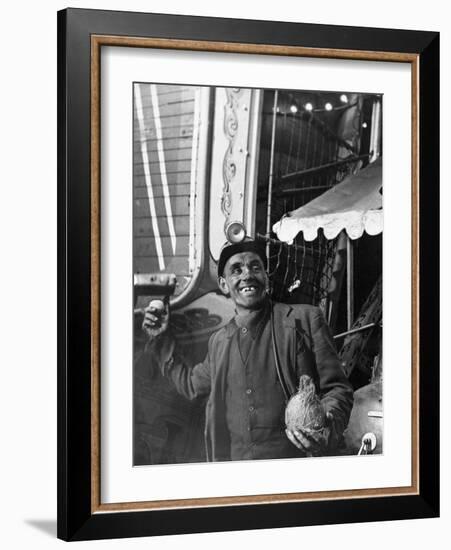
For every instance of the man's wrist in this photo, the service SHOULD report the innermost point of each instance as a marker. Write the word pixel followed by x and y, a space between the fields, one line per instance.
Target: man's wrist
pixel 161 342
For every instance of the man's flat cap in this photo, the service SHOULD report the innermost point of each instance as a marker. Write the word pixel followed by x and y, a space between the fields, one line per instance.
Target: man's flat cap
pixel 247 245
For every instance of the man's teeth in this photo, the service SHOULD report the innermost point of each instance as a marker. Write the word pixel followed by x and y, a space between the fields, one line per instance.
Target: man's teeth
pixel 248 289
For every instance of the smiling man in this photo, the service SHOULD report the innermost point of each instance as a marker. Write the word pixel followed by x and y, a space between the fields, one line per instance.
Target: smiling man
pixel 265 348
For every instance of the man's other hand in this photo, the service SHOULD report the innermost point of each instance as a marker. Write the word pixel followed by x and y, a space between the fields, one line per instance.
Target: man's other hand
pixel 312 442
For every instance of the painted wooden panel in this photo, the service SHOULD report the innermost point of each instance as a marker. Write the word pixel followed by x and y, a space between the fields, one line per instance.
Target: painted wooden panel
pixel 163 151
pixel 234 162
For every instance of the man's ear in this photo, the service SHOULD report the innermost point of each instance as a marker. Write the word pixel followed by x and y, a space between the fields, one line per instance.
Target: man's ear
pixel 224 287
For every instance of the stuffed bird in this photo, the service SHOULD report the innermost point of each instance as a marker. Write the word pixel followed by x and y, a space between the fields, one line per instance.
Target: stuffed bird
pixel 304 410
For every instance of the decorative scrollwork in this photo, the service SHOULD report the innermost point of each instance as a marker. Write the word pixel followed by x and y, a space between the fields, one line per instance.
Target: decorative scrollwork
pixel 229 164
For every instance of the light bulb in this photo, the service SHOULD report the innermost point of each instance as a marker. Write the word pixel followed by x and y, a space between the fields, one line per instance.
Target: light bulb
pixel 308 107
pixel 235 232
pixel 293 109
pixel 344 98
pixel 328 106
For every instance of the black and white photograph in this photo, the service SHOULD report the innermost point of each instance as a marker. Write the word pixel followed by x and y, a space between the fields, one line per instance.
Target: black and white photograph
pixel 257 273
pixel 225 274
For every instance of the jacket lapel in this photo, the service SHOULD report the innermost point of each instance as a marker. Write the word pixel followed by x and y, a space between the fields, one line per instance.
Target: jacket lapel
pixel 285 336
pixel 217 437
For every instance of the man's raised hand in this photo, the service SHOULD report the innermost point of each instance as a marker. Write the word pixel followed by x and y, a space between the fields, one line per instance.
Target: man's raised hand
pixel 156 318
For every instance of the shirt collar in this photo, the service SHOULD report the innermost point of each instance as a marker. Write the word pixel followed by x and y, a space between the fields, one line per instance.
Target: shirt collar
pixel 252 321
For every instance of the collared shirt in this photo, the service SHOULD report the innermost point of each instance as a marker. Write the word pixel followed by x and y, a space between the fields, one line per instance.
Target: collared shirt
pixel 254 400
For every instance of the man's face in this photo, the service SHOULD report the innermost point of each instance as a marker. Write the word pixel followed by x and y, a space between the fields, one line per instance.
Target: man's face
pixel 245 280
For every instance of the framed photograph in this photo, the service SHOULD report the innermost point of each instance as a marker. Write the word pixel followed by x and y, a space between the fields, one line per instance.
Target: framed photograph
pixel 248 274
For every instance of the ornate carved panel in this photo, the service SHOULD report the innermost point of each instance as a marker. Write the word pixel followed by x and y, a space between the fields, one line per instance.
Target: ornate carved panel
pixel 232 160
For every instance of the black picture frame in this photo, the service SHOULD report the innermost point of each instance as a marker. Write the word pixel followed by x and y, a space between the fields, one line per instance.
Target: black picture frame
pixel 77 518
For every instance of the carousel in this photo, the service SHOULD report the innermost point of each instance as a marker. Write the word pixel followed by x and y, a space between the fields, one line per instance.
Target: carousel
pixel 301 170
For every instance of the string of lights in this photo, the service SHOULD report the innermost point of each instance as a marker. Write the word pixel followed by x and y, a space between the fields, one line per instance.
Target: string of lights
pixel 310 106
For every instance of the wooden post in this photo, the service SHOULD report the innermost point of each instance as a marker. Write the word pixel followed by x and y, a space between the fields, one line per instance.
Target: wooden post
pixel 271 174
pixel 349 282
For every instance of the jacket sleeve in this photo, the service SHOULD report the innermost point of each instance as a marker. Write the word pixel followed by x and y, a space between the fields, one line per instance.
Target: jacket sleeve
pixel 191 382
pixel 337 395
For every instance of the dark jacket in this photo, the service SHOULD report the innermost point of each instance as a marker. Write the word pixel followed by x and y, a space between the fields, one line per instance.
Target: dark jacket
pixel 304 346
